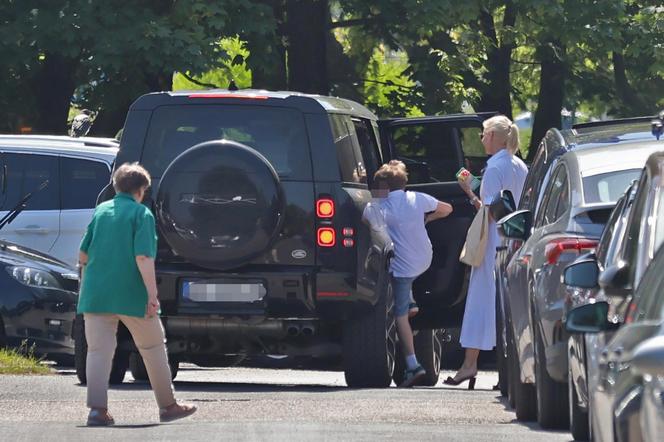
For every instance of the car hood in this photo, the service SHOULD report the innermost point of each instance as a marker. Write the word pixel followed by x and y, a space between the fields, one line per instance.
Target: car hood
pixel 13 254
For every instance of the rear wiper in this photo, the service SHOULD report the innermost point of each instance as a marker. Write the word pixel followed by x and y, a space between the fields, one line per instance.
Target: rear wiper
pixel 18 208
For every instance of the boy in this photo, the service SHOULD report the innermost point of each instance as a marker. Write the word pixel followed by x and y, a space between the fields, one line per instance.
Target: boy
pixel 405 215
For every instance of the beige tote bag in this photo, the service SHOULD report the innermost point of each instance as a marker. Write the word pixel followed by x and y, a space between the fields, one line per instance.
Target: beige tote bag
pixel 475 247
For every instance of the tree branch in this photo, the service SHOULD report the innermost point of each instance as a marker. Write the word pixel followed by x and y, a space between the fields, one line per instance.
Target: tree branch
pixel 200 83
pixel 352 22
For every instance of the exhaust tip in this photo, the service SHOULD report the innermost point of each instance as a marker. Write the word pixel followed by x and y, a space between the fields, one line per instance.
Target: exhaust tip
pixel 293 330
pixel 307 331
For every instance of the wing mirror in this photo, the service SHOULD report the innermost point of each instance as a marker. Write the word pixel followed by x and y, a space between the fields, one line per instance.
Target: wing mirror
pixel 648 357
pixel 615 280
pixel 516 225
pixel 589 318
pixel 582 274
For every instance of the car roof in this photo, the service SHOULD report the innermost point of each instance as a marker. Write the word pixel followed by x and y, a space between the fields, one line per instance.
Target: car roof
pixel 104 148
pixel 597 158
pixel 307 103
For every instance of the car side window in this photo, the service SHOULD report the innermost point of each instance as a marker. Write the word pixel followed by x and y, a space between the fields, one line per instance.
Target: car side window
pixel 429 150
pixel 558 201
pixel 25 173
pixel 82 180
pixel 474 155
pixel 631 239
pixel 368 146
pixel 350 161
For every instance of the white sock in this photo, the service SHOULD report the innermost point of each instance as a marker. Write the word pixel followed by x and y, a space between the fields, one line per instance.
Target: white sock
pixel 411 362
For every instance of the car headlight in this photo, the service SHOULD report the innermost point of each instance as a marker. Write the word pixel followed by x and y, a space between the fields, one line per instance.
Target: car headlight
pixel 34 277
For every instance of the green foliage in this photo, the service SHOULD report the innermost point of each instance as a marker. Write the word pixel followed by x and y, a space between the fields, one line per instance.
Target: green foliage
pixel 21 360
pixel 232 64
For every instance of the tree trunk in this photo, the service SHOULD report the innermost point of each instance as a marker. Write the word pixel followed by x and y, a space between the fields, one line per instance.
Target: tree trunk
pixel 551 93
pixel 306 29
pixel 496 94
pixel 268 55
pixel 629 102
pixel 53 87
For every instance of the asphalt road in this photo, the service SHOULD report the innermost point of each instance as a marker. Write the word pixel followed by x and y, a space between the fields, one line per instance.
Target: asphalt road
pixel 264 404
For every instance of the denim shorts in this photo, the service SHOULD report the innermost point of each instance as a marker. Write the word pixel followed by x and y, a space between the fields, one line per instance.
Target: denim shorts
pixel 402 288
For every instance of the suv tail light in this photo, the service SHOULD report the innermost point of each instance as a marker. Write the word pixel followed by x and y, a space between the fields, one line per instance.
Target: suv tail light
pixel 555 248
pixel 324 208
pixel 326 237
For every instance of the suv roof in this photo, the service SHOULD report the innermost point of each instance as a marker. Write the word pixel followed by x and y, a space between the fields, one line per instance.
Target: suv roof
pixel 307 103
pixel 98 147
pixel 596 158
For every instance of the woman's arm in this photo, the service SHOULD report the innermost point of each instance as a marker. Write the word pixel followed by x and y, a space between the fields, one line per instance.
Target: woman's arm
pixel 146 267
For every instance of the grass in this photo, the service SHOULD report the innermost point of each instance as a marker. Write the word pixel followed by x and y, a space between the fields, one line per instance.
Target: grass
pixel 21 360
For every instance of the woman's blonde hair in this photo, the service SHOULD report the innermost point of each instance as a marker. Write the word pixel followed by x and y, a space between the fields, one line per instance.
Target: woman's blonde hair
pixel 505 130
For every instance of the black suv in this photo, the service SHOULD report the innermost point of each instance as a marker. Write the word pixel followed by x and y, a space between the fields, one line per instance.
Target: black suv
pixel 258 198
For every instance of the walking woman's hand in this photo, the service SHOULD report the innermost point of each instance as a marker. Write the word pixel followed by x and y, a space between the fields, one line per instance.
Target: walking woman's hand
pixel 153 306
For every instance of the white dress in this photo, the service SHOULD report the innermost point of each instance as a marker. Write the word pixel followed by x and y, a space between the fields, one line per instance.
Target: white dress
pixel 503 172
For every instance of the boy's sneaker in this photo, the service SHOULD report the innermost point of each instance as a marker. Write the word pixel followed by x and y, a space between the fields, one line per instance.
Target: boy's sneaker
pixel 412 377
pixel 413 309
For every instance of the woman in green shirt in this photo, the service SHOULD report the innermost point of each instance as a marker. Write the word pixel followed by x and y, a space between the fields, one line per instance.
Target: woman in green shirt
pixel 118 284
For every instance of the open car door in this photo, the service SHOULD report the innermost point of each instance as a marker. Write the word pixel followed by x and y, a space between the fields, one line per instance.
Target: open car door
pixel 434 149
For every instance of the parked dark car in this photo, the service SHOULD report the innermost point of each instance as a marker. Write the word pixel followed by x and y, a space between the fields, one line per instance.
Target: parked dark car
pixel 579 192
pixel 258 198
pixel 615 281
pixel 38 296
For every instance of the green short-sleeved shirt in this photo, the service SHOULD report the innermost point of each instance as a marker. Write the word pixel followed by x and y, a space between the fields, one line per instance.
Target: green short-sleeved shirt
pixel 120 230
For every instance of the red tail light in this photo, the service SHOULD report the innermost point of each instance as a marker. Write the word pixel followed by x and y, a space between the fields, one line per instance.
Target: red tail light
pixel 229 95
pixel 326 237
pixel 555 248
pixel 324 208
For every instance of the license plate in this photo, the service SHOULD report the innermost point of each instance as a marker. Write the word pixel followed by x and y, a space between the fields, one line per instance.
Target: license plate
pixel 222 292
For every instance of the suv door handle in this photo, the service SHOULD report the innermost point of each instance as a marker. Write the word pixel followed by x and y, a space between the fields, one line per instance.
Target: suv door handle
pixel 33 229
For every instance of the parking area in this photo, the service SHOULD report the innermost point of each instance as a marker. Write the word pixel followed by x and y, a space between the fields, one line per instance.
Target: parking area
pixel 260 404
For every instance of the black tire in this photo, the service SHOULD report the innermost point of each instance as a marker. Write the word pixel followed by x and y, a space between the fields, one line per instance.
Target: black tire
pixel 369 343
pixel 429 349
pixel 578 418
pixel 3 336
pixel 524 396
pixel 399 373
pixel 120 359
pixel 140 373
pixel 552 400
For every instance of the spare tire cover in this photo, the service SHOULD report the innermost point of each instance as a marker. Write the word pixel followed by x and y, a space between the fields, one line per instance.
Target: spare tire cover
pixel 220 204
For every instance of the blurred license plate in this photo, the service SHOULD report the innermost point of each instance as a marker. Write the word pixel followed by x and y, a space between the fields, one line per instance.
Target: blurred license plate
pixel 222 292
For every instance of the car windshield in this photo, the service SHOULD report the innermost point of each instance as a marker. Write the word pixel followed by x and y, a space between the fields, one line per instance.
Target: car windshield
pixel 608 187
pixel 277 133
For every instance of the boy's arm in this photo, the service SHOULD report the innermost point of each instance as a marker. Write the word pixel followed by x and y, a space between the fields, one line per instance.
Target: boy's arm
pixel 442 210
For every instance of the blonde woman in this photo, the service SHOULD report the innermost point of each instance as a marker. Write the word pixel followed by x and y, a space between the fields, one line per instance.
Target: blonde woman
pixel 504 171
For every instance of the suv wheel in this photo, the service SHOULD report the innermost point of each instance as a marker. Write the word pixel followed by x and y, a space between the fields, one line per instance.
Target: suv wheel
pixel 552 402
pixel 578 418
pixel 140 373
pixel 120 359
pixel 370 343
pixel 523 394
pixel 501 360
pixel 429 350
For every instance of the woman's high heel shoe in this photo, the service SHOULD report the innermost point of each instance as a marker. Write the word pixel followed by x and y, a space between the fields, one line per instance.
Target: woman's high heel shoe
pixel 470 379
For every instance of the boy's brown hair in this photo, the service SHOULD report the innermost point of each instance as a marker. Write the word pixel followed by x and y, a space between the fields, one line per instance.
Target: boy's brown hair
pixel 394 175
pixel 130 178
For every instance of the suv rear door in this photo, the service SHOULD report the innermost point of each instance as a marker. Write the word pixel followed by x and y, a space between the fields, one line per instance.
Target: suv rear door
pixel 434 149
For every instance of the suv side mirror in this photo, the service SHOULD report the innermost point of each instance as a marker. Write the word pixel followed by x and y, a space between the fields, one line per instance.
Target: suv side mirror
pixel 648 357
pixel 582 274
pixel 614 280
pixel 516 225
pixel 589 318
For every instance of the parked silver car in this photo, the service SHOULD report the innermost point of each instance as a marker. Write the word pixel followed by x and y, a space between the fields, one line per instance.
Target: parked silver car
pixel 580 191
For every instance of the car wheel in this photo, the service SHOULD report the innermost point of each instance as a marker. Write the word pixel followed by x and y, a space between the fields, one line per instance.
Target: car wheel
pixel 140 372
pixel 501 360
pixel 429 349
pixel 120 358
pixel 3 337
pixel 369 343
pixel 552 401
pixel 578 418
pixel 524 397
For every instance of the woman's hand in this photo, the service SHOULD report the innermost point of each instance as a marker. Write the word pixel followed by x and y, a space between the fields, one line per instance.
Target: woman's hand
pixel 153 305
pixel 465 185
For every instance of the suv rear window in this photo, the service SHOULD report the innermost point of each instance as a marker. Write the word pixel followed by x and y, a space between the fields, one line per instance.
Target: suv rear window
pixel 608 187
pixel 277 133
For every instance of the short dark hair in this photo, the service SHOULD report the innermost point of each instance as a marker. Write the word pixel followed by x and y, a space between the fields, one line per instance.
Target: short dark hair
pixel 130 178
pixel 394 175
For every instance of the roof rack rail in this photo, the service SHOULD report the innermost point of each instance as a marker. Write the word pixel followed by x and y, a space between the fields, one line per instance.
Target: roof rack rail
pixel 612 122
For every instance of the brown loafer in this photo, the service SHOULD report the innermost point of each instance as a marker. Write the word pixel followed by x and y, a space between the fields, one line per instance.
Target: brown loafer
pixel 99 417
pixel 176 411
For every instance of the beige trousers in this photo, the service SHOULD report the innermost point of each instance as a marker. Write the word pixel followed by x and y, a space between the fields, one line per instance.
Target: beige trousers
pixel 149 337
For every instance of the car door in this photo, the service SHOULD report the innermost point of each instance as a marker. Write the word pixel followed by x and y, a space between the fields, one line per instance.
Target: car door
pixel 81 180
pixel 38 225
pixel 433 150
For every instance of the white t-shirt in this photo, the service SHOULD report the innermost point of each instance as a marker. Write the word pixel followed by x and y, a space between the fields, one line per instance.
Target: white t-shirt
pixel 404 215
